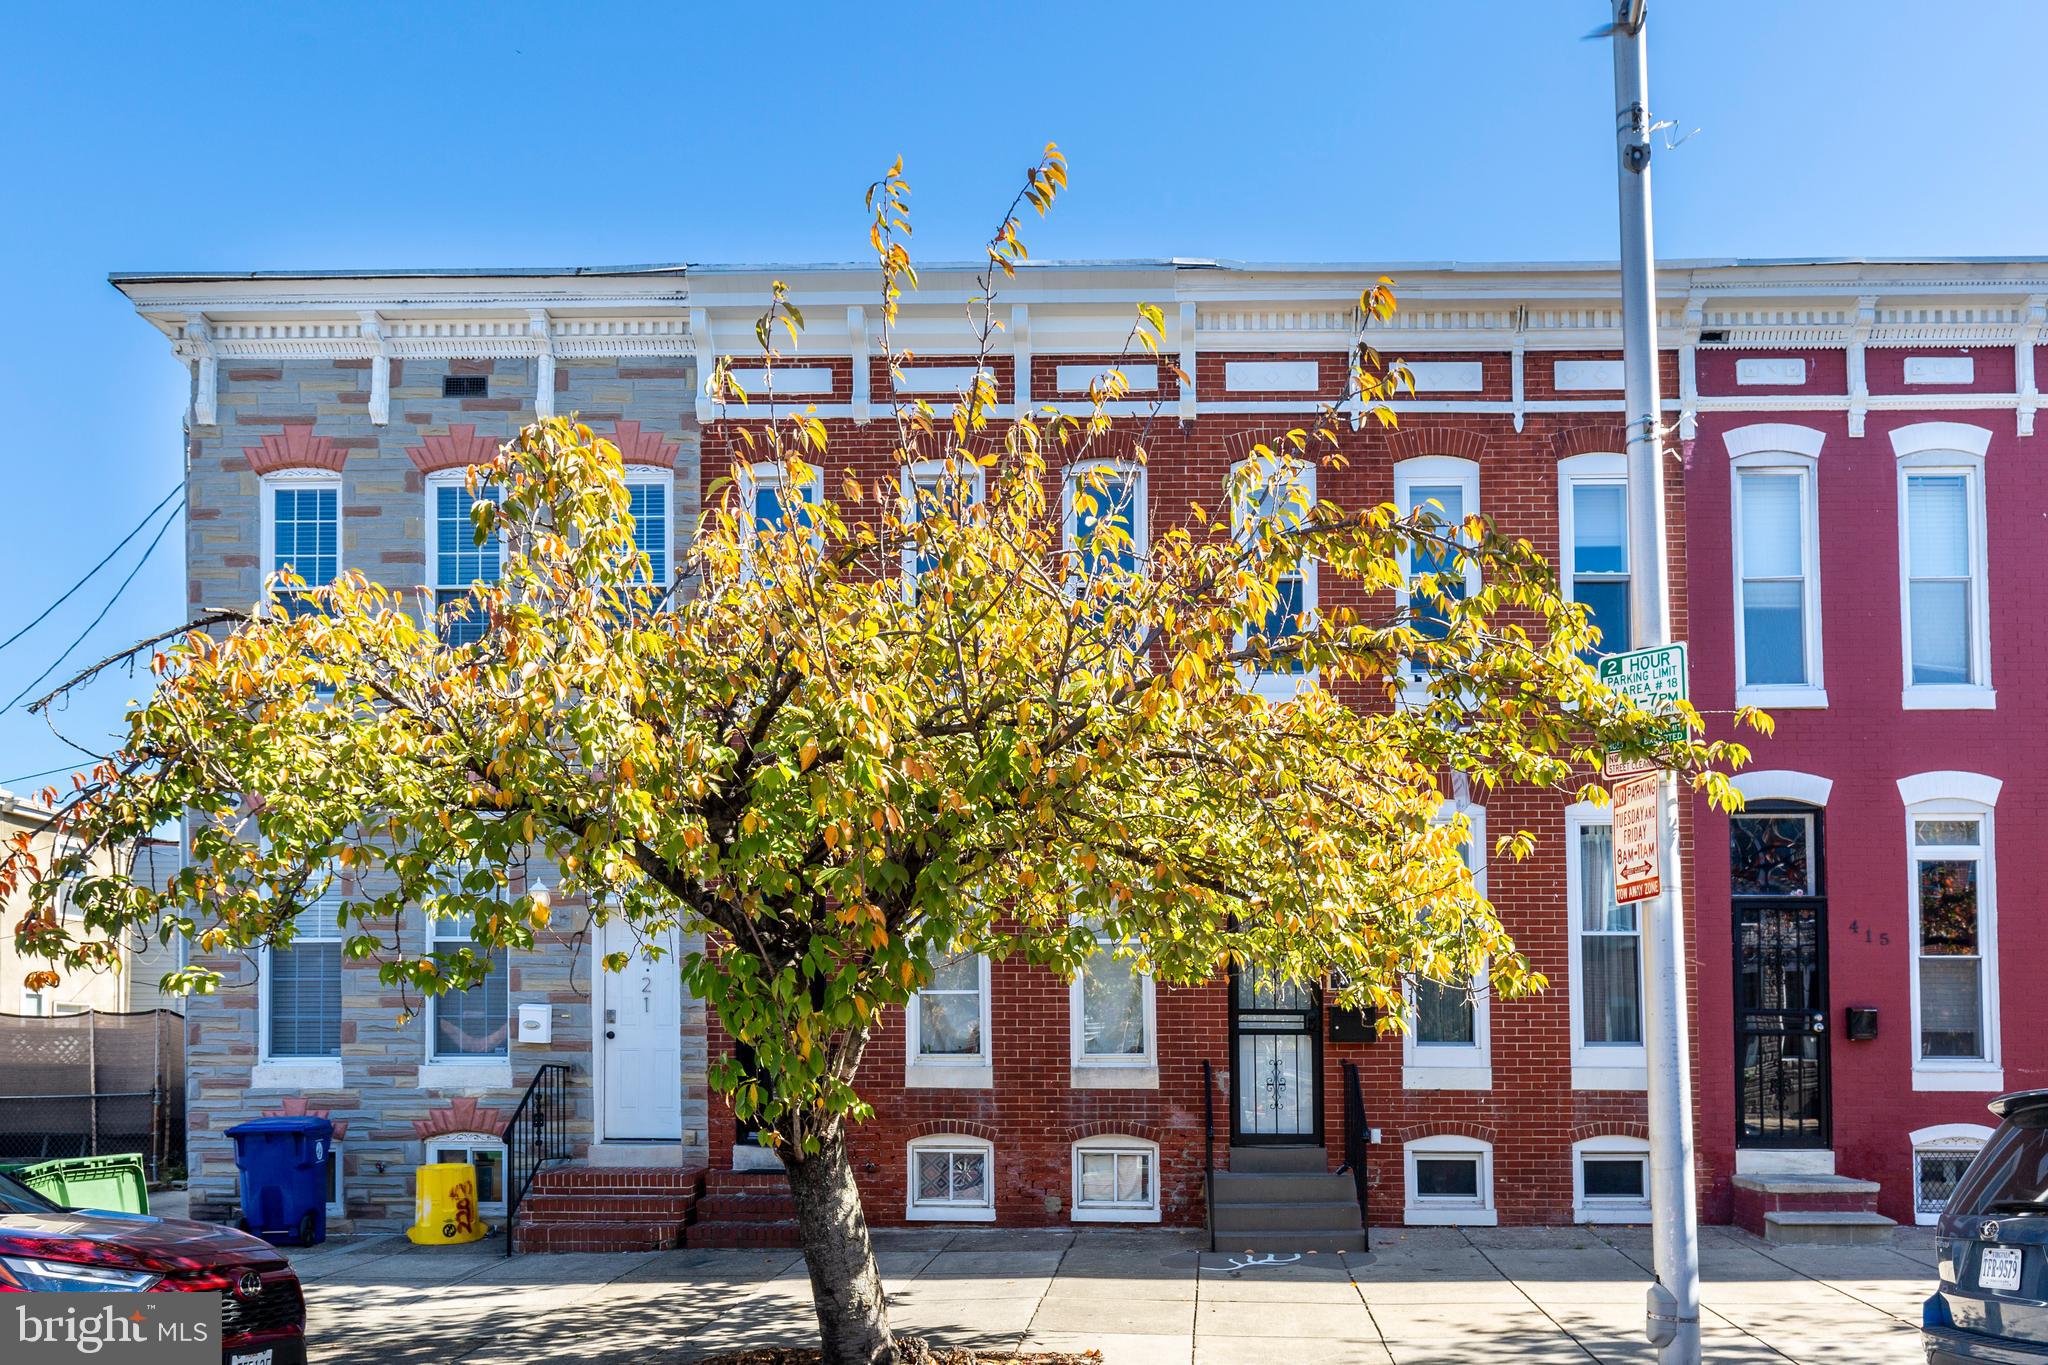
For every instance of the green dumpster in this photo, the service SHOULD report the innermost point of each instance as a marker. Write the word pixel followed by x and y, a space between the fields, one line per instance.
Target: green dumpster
pixel 115 1183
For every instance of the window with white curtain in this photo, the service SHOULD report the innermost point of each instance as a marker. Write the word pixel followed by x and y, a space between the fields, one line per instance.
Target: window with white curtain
pixel 1607 960
pixel 1116 1180
pixel 1112 1022
pixel 1593 523
pixel 946 1033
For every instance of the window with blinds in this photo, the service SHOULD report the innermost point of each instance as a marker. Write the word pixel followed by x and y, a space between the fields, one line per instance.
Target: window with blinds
pixel 460 562
pixel 305 539
pixel 1774 564
pixel 649 506
pixel 303 1006
pixel 1940 592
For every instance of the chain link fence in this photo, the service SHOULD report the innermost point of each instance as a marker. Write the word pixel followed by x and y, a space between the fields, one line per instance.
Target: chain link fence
pixel 91 1084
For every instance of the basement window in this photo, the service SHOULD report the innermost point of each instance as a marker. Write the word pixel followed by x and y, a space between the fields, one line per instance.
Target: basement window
pixel 951 1180
pixel 465 386
pixel 1116 1180
pixel 1450 1181
pixel 483 1152
pixel 1611 1180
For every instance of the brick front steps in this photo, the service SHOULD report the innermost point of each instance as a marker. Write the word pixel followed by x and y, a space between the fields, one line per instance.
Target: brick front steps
pixel 745 1209
pixel 607 1208
pixel 1815 1208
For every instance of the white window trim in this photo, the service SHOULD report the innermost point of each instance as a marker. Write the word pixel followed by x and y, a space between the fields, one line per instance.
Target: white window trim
pixel 44 1002
pixel 653 476
pixel 1971 795
pixel 1597 1066
pixel 1943 1139
pixel 959 1072
pixel 435 482
pixel 1136 1072
pixel 931 471
pixel 1434 471
pixel 1454 1066
pixel 1110 1142
pixel 1783 784
pixel 1141 512
pixel 1278 687
pixel 1609 1211
pixel 458 1072
pixel 984 1212
pixel 471 1141
pixel 297 477
pixel 1803 465
pixel 1594 468
pixel 290 1073
pixel 1947 448
pixel 337 1207
pixel 1437 1212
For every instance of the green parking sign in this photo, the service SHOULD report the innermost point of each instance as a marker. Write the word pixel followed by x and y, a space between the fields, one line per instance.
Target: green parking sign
pixel 1649 678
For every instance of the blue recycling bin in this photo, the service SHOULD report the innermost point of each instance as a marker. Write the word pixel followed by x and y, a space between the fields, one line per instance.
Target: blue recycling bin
pixel 281 1165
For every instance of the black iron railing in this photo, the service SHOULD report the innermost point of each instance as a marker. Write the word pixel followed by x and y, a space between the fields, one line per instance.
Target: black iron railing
pixel 537 1134
pixel 1209 1149
pixel 1357 1143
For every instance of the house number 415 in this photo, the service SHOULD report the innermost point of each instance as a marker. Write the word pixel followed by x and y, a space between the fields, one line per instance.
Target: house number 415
pixel 1882 938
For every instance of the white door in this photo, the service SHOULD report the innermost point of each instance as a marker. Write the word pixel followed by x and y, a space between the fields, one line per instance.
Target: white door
pixel 639 1041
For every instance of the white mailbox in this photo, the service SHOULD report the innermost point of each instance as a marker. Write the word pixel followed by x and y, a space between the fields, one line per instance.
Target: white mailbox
pixel 536 1024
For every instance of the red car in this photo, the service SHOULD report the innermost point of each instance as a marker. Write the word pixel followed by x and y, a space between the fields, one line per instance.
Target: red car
pixel 46 1248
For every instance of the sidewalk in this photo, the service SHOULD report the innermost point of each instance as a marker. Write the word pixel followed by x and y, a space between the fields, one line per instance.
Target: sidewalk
pixel 1530 1296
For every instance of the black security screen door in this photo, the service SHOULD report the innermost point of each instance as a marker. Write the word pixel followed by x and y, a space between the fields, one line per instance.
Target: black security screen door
pixel 1781 979
pixel 1276 1024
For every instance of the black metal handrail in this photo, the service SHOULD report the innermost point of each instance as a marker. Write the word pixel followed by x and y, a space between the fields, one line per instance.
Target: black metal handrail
pixel 536 1134
pixel 1357 1139
pixel 1209 1149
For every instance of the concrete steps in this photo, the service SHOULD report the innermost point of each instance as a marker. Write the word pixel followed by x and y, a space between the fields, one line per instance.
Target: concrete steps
pixel 1810 1208
pixel 1284 1199
pixel 575 1207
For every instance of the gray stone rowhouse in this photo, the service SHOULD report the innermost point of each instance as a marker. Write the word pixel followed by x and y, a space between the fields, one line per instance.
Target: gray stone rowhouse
pixel 341 382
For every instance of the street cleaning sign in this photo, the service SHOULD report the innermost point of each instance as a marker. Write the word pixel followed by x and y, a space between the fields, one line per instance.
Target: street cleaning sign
pixel 1638 840
pixel 1649 678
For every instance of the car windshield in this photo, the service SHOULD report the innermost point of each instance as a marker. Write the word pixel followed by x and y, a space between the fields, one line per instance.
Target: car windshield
pixel 16 1197
pixel 2011 1174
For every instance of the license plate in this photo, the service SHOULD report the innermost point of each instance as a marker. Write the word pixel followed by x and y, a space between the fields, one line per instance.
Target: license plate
pixel 1999 1268
pixel 269 1353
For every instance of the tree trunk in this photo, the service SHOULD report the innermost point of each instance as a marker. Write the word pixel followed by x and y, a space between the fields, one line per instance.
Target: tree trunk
pixel 846 1285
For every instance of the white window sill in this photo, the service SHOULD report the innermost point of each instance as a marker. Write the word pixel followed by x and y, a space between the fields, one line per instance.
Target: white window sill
pixel 1614 1215
pixel 1782 698
pixel 949 1215
pixel 1441 1216
pixel 492 1074
pixel 1986 1079
pixel 1616 1075
pixel 1949 699
pixel 1113 1076
pixel 1447 1076
pixel 291 1073
pixel 1114 1216
pixel 949 1073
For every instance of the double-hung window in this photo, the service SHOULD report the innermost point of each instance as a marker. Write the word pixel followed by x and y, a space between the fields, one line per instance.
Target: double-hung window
pixel 1106 524
pixel 460 561
pixel 1279 493
pixel 1593 521
pixel 1943 565
pixel 473 1025
pixel 1774 499
pixel 302 982
pixel 1953 897
pixel 947 1026
pixel 301 533
pixel 1448 1044
pixel 1607 960
pixel 1112 1022
pixel 649 492
pixel 933 488
pixel 1448 489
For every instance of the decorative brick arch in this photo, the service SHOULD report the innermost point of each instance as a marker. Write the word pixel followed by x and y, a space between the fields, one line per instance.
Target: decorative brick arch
pixel 644 447
pixel 1414 1132
pixel 1589 440
pixel 1410 442
pixel 460 1115
pixel 1586 1132
pixel 1112 1128
pixel 458 449
pixel 954 1128
pixel 295 1107
pixel 296 447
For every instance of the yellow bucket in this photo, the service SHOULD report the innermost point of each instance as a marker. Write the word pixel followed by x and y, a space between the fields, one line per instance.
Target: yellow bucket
pixel 444 1209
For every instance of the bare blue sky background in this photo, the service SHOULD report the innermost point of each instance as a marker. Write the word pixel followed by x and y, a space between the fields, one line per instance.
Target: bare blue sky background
pixel 156 136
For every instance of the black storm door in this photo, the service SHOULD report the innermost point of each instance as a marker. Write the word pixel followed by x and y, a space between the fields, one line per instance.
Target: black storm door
pixel 1781 977
pixel 1276 1025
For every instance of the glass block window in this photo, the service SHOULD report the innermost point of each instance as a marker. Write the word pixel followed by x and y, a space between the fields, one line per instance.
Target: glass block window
pixel 460 562
pixel 473 1024
pixel 951 1178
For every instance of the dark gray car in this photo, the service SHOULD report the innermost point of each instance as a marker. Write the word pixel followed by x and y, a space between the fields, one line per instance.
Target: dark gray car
pixel 1992 1304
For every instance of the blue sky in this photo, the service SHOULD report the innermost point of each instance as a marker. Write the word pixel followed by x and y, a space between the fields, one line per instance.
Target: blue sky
pixel 315 135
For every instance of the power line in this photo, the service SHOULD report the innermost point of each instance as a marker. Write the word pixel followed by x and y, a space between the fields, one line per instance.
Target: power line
pixel 94 623
pixel 47 772
pixel 146 519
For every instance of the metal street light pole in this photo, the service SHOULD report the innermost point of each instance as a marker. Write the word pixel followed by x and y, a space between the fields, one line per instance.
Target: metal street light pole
pixel 1672 1321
